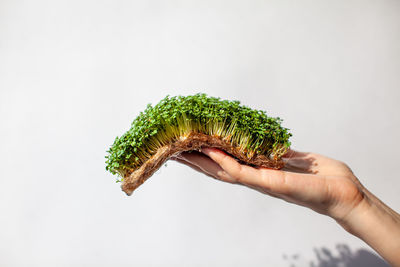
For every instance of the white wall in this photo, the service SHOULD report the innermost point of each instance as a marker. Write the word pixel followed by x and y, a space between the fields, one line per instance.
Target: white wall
pixel 74 74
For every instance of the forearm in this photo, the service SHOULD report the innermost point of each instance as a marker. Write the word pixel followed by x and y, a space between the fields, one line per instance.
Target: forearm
pixel 376 224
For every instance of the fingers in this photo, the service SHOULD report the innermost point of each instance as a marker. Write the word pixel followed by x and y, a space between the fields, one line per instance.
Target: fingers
pixel 236 170
pixel 194 167
pixel 279 182
pixel 202 163
pixel 293 187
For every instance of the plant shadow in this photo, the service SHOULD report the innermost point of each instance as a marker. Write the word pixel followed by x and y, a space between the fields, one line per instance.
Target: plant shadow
pixel 344 258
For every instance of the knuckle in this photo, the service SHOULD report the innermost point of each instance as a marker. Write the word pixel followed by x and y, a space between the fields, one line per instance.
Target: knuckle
pixel 224 158
pixel 275 181
pixel 237 172
pixel 266 179
pixel 221 174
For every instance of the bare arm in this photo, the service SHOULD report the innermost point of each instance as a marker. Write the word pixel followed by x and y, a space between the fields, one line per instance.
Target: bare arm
pixel 324 185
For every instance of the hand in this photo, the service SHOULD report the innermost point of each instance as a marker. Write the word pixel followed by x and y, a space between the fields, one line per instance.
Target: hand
pixel 323 184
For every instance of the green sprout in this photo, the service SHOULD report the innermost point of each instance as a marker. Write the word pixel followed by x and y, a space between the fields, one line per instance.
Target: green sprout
pixel 252 131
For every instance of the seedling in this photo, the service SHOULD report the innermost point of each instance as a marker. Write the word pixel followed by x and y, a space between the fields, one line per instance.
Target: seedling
pixel 249 133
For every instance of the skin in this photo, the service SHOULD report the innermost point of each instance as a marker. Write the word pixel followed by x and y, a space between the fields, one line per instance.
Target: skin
pixel 322 184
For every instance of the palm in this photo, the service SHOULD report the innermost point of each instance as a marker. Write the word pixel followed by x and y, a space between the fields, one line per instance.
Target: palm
pixel 325 185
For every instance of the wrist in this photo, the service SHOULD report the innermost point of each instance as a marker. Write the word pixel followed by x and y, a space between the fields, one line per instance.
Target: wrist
pixel 376 224
pixel 356 217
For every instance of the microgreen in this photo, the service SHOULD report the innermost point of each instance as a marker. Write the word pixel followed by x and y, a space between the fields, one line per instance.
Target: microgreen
pixel 173 117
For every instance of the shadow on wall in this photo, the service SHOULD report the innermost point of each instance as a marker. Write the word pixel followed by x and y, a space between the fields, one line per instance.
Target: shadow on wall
pixel 345 258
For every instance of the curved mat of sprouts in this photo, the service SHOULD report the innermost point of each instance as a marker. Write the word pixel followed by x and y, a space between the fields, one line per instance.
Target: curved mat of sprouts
pixel 186 123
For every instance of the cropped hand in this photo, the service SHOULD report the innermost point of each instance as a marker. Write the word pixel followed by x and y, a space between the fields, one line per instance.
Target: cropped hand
pixel 325 185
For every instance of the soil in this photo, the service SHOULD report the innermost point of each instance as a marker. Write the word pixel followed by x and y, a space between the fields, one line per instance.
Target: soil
pixel 194 141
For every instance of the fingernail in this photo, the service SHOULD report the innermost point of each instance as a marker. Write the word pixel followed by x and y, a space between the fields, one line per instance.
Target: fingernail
pixel 206 150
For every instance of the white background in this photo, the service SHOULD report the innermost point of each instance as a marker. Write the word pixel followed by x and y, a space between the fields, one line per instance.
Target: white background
pixel 74 74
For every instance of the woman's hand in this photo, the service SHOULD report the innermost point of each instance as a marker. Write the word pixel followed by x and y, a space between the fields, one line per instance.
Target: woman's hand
pixel 320 183
pixel 325 185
